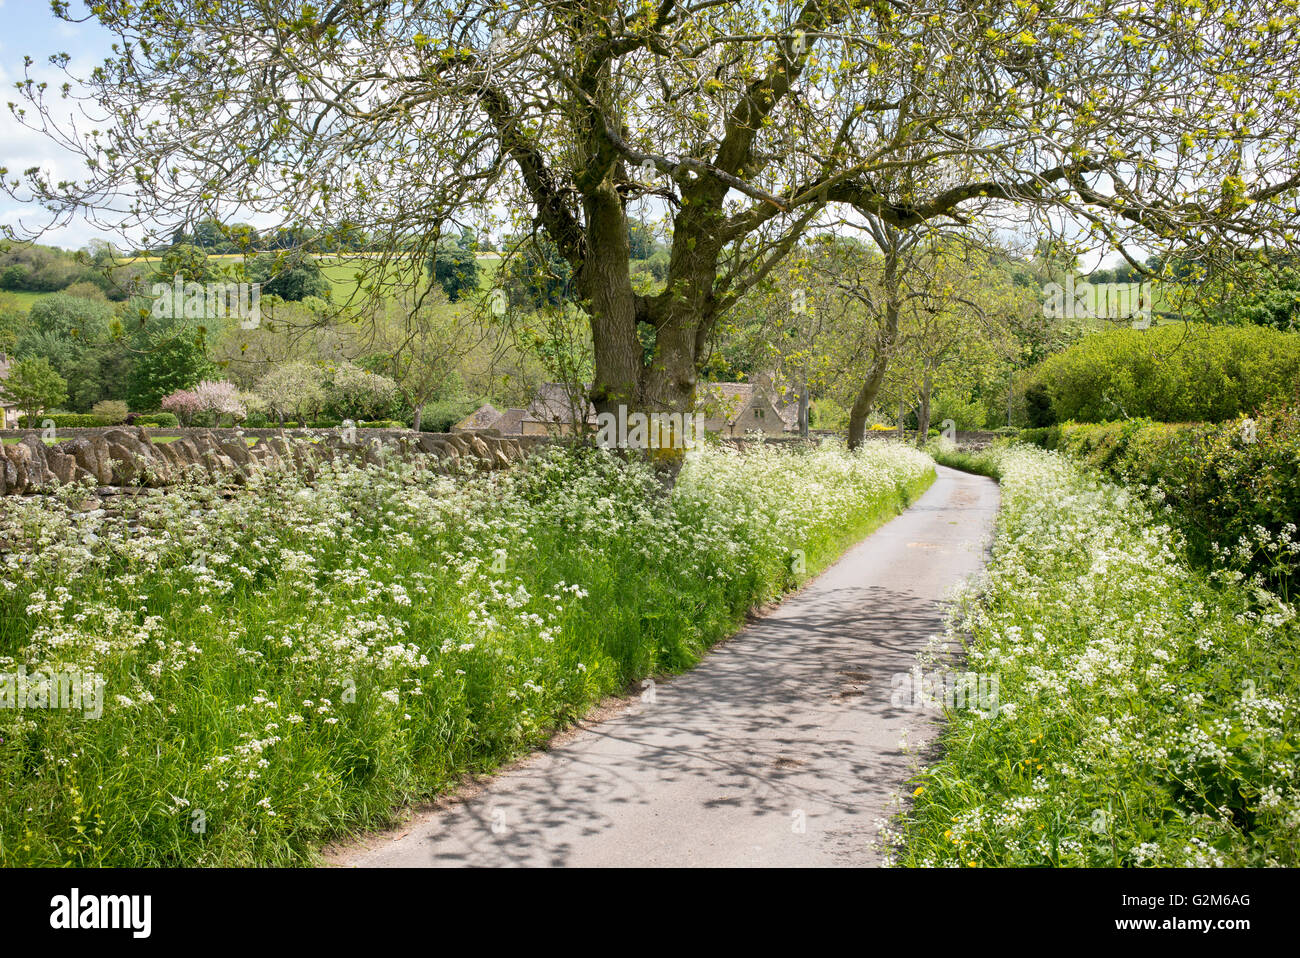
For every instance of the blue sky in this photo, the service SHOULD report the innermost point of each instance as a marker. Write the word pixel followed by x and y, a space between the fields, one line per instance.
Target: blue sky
pixel 32 30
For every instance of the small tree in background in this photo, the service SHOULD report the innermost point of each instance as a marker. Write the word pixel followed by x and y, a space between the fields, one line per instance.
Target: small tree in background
pixel 33 386
pixel 187 261
pixel 112 411
pixel 354 393
pixel 206 403
pixel 173 359
pixel 456 271
pixel 536 275
pixel 293 391
pixel 292 277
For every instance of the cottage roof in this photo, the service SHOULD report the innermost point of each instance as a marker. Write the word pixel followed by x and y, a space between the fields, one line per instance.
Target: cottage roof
pixel 728 401
pixel 481 418
pixel 509 422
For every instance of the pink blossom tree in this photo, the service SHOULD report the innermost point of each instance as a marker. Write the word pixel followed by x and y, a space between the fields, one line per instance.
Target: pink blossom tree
pixel 208 402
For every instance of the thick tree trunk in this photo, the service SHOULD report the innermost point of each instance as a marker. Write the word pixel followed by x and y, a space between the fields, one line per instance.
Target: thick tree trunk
pixel 417 417
pixel 865 398
pixel 678 319
pixel 884 347
pixel 606 284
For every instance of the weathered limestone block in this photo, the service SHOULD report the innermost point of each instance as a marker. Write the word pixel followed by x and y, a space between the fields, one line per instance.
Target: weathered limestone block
pixel 39 474
pixel 373 453
pixel 496 451
pixel 220 465
pixel 61 465
pixel 82 452
pixel 236 450
pixel 189 455
pixel 479 448
pixel 141 448
pixel 169 456
pixel 126 466
pixel 16 467
pixel 278 447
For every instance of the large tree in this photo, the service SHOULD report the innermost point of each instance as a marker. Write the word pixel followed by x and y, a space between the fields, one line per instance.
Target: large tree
pixel 1171 123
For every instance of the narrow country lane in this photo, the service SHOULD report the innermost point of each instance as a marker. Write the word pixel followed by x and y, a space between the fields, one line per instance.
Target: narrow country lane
pixel 787 724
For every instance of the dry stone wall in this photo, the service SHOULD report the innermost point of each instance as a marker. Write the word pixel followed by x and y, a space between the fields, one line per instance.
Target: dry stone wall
pixel 129 457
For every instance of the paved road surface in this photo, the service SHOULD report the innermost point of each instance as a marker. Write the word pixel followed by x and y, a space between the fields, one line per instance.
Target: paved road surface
pixel 788 723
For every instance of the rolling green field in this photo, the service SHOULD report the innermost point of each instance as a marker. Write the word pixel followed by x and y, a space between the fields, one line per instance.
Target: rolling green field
pixel 342 271
pixel 1107 303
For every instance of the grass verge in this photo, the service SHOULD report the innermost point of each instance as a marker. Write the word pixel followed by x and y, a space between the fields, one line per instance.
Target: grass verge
pixel 1148 711
pixel 290 664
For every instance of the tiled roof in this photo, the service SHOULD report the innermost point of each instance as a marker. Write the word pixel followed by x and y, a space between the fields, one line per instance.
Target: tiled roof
pixel 481 418
pixel 509 422
pixel 728 400
pixel 724 401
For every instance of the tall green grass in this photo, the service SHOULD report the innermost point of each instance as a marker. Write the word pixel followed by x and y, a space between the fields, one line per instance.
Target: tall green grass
pixel 292 662
pixel 1148 712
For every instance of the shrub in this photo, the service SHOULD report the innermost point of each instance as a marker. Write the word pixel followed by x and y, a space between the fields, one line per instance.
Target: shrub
pixel 206 404
pixel 456 271
pixel 353 393
pixel 1233 486
pixel 62 420
pixel 291 276
pixel 293 389
pixel 163 420
pixel 965 414
pixel 440 416
pixel 1049 437
pixel 112 411
pixel 1178 373
pixel 1038 406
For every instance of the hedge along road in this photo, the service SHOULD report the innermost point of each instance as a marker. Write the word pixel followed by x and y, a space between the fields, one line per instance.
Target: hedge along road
pixel 781 748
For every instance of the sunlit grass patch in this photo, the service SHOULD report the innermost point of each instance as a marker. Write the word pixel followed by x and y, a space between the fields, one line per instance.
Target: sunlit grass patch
pixel 1149 711
pixel 289 663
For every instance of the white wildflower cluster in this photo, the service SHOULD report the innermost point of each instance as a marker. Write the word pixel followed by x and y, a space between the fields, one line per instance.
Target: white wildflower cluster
pixel 1132 685
pixel 296 649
